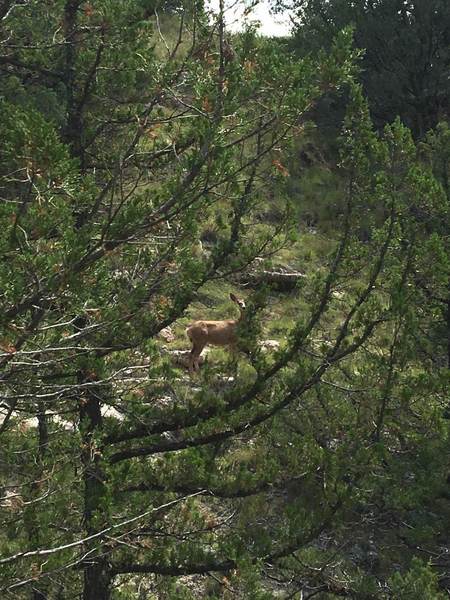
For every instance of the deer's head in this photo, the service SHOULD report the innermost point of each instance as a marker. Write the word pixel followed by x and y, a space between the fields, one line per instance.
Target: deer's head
pixel 239 302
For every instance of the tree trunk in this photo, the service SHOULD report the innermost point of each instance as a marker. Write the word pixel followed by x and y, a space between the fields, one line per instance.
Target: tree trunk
pixel 32 520
pixel 97 581
pixel 74 125
pixel 97 576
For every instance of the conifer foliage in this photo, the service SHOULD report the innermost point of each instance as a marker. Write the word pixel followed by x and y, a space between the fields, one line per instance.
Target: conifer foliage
pixel 131 133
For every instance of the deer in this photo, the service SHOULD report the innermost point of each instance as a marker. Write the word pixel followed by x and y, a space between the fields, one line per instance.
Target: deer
pixel 215 333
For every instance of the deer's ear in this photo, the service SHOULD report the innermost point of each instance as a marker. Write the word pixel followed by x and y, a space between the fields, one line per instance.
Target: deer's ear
pixel 233 297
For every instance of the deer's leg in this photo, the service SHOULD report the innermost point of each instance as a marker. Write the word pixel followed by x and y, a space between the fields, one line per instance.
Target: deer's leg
pixel 197 347
pixel 191 362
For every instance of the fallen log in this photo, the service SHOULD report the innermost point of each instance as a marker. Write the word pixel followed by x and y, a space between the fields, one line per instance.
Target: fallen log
pixel 280 280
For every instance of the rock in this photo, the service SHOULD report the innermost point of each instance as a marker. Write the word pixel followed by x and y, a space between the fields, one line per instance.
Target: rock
pixel 163 401
pixel 181 357
pixel 338 295
pixel 167 334
pixel 26 424
pixel 11 500
pixel 269 345
pixel 110 411
pixel 66 425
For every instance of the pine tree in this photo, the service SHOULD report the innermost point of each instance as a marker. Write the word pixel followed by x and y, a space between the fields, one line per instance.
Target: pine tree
pixel 138 146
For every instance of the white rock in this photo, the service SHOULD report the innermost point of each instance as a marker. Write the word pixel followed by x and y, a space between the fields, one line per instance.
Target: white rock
pixel 269 345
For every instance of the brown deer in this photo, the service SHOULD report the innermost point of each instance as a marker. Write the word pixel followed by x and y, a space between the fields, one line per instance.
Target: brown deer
pixel 216 333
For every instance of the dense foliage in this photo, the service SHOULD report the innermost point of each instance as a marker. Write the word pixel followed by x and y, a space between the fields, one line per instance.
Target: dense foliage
pixel 149 164
pixel 406 52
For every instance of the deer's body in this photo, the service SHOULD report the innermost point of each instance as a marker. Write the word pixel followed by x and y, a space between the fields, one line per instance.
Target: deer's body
pixel 215 333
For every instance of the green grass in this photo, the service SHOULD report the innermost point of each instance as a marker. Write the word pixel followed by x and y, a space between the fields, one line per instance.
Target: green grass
pixel 280 314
